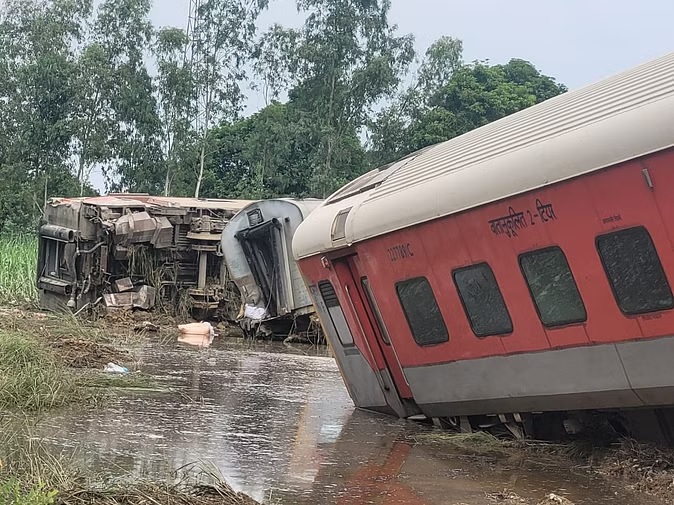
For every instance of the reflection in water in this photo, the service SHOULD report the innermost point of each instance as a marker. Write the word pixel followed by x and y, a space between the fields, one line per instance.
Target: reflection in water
pixel 378 460
pixel 280 426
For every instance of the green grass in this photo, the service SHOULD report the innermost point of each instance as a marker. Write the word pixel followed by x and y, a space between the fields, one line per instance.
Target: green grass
pixel 13 492
pixel 18 261
pixel 30 377
pixel 133 381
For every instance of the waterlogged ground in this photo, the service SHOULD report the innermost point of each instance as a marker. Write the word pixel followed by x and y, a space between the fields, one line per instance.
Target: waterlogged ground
pixel 278 423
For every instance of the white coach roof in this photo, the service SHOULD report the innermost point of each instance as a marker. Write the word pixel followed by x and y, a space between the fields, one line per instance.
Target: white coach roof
pixel 617 119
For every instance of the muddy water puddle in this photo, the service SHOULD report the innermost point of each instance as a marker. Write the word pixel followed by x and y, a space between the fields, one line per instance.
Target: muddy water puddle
pixel 279 425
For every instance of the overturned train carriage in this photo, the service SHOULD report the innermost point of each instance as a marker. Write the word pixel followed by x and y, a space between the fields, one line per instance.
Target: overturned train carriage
pixel 257 244
pixel 516 277
pixel 173 245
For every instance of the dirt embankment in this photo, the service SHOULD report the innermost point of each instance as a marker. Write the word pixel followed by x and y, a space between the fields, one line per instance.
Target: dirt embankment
pixel 90 344
pixel 74 343
pixel 641 468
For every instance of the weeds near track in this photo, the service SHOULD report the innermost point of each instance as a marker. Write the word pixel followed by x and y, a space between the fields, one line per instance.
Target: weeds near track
pixel 30 377
pixel 18 261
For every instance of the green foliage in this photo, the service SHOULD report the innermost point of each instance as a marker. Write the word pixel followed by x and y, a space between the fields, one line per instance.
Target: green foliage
pixel 36 98
pixel 275 60
pixel 270 155
pixel 263 156
pixel 76 95
pixel 222 46
pixel 135 162
pixel 30 377
pixel 174 94
pixel 443 58
pixel 13 493
pixel 337 67
pixel 445 106
pixel 18 257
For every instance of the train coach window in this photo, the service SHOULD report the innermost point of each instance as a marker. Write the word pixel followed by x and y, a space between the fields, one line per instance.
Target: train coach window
pixel 335 312
pixel 634 271
pixel 482 300
pixel 552 287
pixel 422 311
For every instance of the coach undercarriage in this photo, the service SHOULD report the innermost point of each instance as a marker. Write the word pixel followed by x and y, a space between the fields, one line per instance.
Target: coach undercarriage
pixel 654 425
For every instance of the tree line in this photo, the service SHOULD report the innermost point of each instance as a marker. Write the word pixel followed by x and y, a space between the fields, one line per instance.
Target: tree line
pixel 96 86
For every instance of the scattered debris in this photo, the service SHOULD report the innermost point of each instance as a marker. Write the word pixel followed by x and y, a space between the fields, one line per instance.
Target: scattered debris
pixel 146 326
pixel 78 353
pixel 142 297
pixel 114 368
pixel 553 499
pixel 254 313
pixel 509 498
pixel 122 285
pixel 505 498
pixel 197 334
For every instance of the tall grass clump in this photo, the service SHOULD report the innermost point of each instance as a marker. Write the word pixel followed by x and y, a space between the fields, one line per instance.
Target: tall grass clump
pixel 30 377
pixel 18 261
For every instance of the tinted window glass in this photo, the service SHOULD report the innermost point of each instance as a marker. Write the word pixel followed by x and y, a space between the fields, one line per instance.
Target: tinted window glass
pixel 422 311
pixel 634 271
pixel 335 312
pixel 552 287
pixel 483 301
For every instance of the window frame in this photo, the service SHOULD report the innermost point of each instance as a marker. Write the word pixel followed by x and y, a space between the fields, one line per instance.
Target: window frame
pixel 465 308
pixel 531 293
pixel 338 231
pixel 346 345
pixel 409 324
pixel 253 216
pixel 626 231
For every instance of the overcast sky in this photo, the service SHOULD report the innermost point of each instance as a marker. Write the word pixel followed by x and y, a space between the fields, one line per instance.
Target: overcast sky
pixel 575 41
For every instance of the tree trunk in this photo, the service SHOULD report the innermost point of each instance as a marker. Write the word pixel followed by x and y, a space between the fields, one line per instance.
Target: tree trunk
pixel 46 188
pixel 80 175
pixel 328 167
pixel 167 182
pixel 169 153
pixel 202 158
pixel 207 122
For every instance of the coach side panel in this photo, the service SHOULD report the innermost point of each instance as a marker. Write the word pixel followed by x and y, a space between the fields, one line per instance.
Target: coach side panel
pixel 608 358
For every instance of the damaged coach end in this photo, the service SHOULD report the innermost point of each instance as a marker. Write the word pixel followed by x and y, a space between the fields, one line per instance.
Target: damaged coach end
pixel 257 244
pixel 122 247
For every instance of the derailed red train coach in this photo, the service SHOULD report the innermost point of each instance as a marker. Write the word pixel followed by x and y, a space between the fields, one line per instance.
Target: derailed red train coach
pixel 518 276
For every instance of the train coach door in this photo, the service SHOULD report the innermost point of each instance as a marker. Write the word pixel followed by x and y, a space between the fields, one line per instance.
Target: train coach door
pixel 395 387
